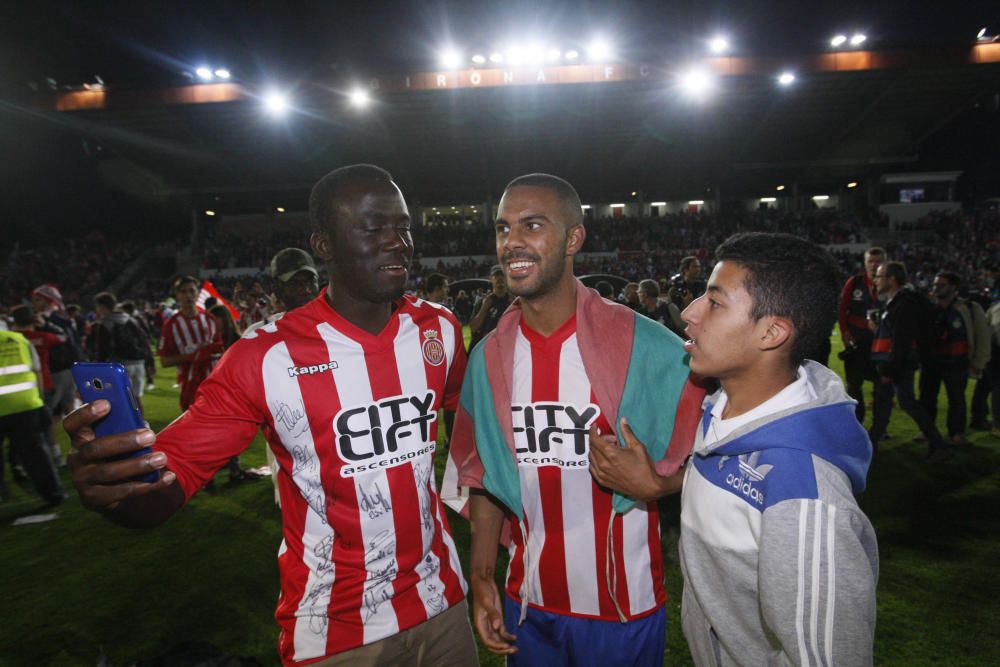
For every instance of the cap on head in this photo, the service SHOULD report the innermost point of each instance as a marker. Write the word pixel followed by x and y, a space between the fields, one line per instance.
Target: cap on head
pixel 50 293
pixel 290 261
pixel 496 271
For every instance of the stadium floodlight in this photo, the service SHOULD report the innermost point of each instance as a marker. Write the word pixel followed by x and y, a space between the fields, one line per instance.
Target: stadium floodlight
pixel 617 206
pixel 553 55
pixel 696 202
pixel 658 203
pixel 276 103
pixel 479 59
pixel 696 82
pixel 599 50
pixel 359 98
pixel 718 45
pixel 534 54
pixel 838 40
pixel 515 55
pixel 858 38
pixel 280 209
pixel 981 33
pixel 585 207
pixel 204 73
pixel 223 73
pixel 496 57
pixel 852 184
pixel 450 59
pixel 572 55
pixel 786 78
pixel 780 188
pixel 634 193
pixel 210 213
pixel 820 197
pixel 768 200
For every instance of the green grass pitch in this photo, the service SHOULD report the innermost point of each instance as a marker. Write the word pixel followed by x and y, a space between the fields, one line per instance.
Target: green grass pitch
pixel 78 587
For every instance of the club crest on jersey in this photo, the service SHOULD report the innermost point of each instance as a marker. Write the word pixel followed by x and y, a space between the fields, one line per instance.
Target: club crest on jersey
pixel 432 348
pixel 385 433
pixel 553 434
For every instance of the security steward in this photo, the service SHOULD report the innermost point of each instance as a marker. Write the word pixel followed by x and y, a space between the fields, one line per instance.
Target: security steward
pixel 21 407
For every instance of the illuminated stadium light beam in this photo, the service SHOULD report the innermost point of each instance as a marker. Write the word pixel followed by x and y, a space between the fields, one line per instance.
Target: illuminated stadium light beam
pixel 496 57
pixel 696 202
pixel 585 207
pixel 479 59
pixel 617 206
pixel 359 98
pixel 276 103
pixel 450 59
pixel 210 213
pixel 858 39
pixel 658 203
pixel 820 197
pixel 718 45
pixel 780 188
pixel 852 184
pixel 768 200
pixel 981 33
pixel 223 73
pixel 599 50
pixel 553 55
pixel 572 55
pixel 515 55
pixel 204 73
pixel 786 78
pixel 280 209
pixel 697 82
pixel 838 40
pixel 534 54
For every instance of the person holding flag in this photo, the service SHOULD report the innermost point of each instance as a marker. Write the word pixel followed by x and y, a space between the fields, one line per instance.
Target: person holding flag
pixel 189 340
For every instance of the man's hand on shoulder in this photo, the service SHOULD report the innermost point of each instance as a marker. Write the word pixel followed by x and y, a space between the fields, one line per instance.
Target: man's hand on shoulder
pixel 628 469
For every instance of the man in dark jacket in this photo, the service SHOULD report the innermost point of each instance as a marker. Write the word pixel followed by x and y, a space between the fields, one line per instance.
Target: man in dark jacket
pixel 896 348
pixel 857 298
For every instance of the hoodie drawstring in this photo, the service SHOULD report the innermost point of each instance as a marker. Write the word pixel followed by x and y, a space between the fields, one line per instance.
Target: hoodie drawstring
pixel 527 574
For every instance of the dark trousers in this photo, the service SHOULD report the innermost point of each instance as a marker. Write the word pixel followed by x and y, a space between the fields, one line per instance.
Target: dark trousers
pixel 858 368
pixel 27 445
pixel 955 377
pixel 902 388
pixel 982 407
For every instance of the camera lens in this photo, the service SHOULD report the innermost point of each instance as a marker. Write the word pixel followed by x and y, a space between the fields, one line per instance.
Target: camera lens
pixel 98 385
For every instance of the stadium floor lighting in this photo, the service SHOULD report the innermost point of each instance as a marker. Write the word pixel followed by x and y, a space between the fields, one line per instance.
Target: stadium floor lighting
pixel 786 78
pixel 450 59
pixel 223 73
pixel 858 39
pixel 599 50
pixel 359 98
pixel 696 82
pixel 479 59
pixel 718 45
pixel 204 73
pixel 838 40
pixel 276 103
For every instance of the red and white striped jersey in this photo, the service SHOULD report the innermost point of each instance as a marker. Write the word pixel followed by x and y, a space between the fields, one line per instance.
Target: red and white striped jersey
pixel 352 420
pixel 184 335
pixel 570 567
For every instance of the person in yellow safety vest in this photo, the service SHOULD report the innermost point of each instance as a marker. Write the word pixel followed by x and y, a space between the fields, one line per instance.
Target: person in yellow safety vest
pixel 20 405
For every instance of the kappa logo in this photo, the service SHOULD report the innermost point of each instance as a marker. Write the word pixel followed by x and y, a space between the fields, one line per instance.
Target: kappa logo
pixel 295 371
pixel 433 349
pixel 750 474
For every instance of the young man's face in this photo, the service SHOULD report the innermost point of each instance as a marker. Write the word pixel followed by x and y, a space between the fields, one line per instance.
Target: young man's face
pixel 872 262
pixel 298 290
pixel 532 240
pixel 186 295
pixel 722 337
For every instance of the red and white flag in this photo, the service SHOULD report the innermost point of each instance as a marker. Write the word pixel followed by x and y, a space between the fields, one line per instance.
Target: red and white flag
pixel 208 290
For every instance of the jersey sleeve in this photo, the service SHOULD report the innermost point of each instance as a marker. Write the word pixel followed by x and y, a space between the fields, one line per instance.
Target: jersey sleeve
pixel 221 423
pixel 168 346
pixel 843 306
pixel 453 384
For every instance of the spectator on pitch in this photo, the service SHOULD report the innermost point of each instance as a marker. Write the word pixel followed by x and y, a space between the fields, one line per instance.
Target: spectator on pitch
pixel 664 312
pixel 604 288
pixel 21 411
pixel 47 302
pixel 463 307
pixel 493 306
pixel 189 340
pixel 26 323
pixel 780 564
pixel 436 288
pixel 630 296
pixel 988 387
pixel 899 341
pixel 959 349
pixel 585 584
pixel 369 572
pixel 140 316
pixel 686 285
pixel 858 299
pixel 120 338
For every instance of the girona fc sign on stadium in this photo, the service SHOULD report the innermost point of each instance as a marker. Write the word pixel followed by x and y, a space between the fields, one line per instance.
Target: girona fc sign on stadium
pixel 385 433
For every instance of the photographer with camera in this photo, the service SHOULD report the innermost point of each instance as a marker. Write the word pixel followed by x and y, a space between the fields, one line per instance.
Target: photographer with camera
pixel 858 299
pixel 686 285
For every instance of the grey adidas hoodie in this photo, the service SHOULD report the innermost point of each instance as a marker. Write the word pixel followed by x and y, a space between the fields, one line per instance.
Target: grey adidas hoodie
pixel 780 564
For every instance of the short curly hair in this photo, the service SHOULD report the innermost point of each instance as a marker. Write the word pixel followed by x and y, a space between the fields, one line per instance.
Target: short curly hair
pixel 790 277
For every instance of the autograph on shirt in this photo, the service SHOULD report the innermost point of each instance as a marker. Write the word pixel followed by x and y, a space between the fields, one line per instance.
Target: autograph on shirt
pixel 289 417
pixel 374 501
pixel 380 561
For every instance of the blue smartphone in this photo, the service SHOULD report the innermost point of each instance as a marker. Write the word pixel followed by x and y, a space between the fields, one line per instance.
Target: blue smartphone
pixel 110 382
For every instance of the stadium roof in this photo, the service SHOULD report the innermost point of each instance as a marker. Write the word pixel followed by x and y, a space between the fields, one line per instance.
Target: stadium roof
pixel 845 117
